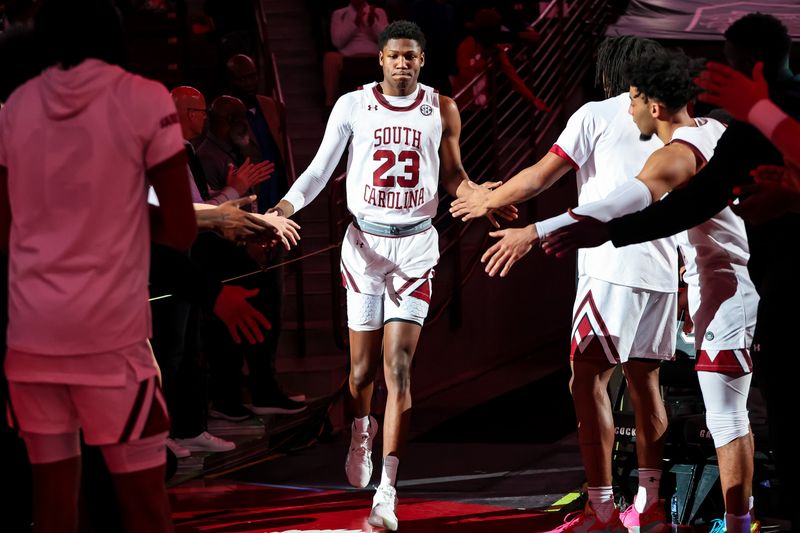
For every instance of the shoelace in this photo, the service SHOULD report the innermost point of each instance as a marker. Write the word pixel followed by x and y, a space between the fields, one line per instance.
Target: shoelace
pixel 573 517
pixel 363 446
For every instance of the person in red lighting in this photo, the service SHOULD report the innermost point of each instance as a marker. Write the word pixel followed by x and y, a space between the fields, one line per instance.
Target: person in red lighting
pixel 77 228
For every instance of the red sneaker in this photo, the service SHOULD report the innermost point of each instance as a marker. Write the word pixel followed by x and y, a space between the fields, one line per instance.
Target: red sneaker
pixel 652 520
pixel 586 521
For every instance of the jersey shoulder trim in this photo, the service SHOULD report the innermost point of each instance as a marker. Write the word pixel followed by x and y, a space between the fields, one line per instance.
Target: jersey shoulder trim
pixel 557 150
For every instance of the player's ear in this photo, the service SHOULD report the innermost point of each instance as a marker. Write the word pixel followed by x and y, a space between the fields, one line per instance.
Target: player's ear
pixel 655 109
pixel 422 59
pixel 380 57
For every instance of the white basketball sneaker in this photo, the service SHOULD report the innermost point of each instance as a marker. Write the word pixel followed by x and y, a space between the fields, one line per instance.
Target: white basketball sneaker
pixel 384 505
pixel 359 457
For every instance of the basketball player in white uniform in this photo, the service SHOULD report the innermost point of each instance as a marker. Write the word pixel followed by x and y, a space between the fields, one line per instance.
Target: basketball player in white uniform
pixel 403 138
pixel 722 299
pixel 626 301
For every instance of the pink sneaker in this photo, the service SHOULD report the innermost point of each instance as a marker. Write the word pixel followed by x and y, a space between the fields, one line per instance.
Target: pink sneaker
pixel 585 521
pixel 652 520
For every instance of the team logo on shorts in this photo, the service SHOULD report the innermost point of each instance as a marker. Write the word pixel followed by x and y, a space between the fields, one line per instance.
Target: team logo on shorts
pixel 709 335
pixel 426 109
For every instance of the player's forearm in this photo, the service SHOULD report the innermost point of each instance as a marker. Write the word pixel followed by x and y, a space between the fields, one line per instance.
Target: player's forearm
pixel 305 189
pixel 680 210
pixel 311 182
pixel 740 149
pixel 209 217
pixel 631 196
pixel 523 186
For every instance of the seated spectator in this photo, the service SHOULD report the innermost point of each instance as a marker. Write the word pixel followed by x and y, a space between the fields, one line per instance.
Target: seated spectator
pixel 265 117
pixel 354 33
pixel 192 113
pixel 176 319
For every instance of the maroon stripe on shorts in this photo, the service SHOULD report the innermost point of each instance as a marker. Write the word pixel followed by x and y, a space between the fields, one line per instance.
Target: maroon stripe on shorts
pixel 157 420
pixel 134 414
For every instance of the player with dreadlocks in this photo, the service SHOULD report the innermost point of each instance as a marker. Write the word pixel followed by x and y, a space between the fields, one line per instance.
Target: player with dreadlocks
pixel 715 252
pixel 626 300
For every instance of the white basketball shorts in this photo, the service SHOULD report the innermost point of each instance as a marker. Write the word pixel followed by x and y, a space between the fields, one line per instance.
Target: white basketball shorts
pixel 627 322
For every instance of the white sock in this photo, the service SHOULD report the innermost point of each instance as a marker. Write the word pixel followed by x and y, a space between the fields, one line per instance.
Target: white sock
pixel 361 425
pixel 602 500
pixel 737 524
pixel 649 481
pixel 389 471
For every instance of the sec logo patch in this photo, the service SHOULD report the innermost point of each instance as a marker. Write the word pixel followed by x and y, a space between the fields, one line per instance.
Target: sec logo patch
pixel 426 110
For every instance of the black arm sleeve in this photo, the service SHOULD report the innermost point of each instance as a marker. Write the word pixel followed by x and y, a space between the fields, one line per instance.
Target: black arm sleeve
pixel 740 149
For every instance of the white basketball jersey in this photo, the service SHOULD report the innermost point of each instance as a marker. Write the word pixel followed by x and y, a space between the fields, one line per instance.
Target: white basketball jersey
pixel 603 144
pixel 722 298
pixel 721 241
pixel 393 161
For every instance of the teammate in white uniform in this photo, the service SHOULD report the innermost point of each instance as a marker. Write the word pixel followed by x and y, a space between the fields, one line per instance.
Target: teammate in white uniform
pixel 626 299
pixel 722 298
pixel 403 138
pixel 78 360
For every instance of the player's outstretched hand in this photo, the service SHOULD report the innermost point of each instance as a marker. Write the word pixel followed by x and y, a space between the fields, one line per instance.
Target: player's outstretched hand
pixel 514 243
pixel 285 230
pixel 472 204
pixel 588 232
pixel 235 224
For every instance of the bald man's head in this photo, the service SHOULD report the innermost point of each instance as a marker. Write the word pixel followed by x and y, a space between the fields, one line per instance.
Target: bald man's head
pixel 242 74
pixel 191 106
pixel 227 118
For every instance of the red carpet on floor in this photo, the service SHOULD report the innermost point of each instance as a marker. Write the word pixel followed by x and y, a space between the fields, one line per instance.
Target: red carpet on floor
pixel 219 506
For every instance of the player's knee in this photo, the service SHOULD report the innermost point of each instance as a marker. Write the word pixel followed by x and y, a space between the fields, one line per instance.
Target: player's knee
pixel 398 374
pixel 726 427
pixel 361 375
pixel 134 456
pixel 44 449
